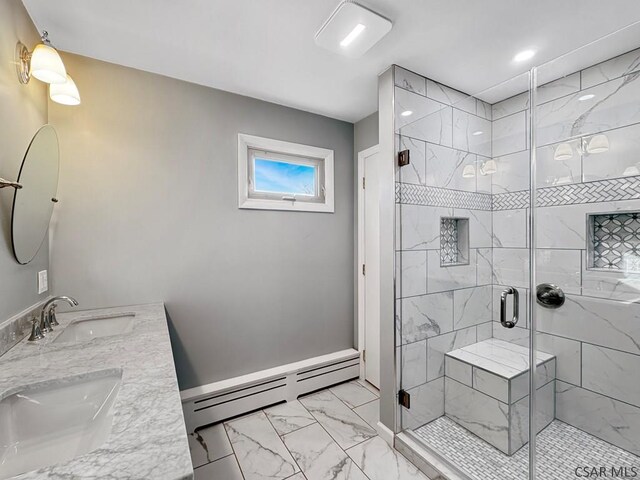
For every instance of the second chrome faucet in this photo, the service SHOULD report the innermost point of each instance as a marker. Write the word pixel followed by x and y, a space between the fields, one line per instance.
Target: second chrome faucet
pixel 48 317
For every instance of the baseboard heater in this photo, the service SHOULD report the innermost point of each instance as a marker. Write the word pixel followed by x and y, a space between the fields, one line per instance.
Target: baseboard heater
pixel 219 401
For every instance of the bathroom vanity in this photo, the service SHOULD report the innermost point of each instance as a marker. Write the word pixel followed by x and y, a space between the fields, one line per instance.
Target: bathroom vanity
pixel 96 398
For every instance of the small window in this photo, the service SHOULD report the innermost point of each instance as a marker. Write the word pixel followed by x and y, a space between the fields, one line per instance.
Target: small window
pixel 278 175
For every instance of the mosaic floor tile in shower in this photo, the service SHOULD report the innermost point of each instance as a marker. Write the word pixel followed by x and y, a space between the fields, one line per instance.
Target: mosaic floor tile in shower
pixel 561 449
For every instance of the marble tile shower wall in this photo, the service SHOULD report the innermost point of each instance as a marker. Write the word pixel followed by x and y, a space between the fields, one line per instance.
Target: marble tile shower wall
pixel 440 308
pixel 596 334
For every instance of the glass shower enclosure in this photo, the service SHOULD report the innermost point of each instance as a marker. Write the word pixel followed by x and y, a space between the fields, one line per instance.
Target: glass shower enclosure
pixel 542 170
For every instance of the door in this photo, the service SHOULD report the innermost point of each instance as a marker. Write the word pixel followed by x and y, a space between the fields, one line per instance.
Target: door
pixel 369 256
pixel 587 262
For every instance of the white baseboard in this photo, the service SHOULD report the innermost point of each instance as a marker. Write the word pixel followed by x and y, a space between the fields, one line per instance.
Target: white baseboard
pixel 219 401
pixel 385 433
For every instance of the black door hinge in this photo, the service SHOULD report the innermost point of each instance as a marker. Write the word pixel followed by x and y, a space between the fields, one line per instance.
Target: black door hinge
pixel 404 399
pixel 403 158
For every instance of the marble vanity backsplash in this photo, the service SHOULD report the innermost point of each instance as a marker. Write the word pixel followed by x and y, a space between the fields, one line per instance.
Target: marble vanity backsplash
pixel 17 327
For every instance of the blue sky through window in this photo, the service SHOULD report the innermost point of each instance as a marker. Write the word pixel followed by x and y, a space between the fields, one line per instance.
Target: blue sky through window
pixel 282 177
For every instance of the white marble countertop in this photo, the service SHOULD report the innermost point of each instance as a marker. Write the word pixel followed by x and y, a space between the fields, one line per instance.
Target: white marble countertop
pixel 148 439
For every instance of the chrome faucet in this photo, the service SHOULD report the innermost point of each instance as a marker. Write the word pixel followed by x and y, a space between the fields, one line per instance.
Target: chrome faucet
pixel 48 316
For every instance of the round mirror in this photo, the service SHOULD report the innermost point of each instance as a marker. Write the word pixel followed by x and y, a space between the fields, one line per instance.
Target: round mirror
pixel 33 203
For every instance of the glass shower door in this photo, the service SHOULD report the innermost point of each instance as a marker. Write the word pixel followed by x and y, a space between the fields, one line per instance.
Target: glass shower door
pixel 462 369
pixel 476 206
pixel 586 239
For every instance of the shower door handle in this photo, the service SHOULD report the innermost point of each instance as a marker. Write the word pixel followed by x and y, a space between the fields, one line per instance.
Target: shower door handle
pixel 503 307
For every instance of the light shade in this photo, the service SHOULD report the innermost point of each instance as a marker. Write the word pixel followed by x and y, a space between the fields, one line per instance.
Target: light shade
pixel 598 144
pixel 352 30
pixel 46 65
pixel 65 93
pixel 468 171
pixel 564 151
pixel 489 167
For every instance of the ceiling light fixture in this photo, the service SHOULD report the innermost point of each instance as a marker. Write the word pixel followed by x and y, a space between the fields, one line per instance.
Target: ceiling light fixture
pixel 588 96
pixel 564 151
pixel 65 93
pixel 44 63
pixel 477 132
pixel 524 55
pixel 357 30
pixel 352 29
pixel 406 113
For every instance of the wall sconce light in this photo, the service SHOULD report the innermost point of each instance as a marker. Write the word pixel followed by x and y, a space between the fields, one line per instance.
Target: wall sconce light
pixel 485 168
pixel 468 171
pixel 598 144
pixel 44 63
pixel 564 151
pixel 489 167
pixel 65 93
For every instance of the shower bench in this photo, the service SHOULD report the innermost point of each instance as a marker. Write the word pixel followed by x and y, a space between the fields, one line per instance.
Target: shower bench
pixel 487 391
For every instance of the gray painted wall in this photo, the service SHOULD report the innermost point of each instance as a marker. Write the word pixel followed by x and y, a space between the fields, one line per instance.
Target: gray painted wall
pixel 23 110
pixel 149 213
pixel 365 133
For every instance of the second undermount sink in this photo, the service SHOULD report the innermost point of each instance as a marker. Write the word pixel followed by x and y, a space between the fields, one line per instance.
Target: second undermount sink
pixel 55 421
pixel 103 326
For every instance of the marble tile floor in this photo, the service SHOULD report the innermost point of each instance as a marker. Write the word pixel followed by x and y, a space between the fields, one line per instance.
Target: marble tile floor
pixel 327 435
pixel 561 449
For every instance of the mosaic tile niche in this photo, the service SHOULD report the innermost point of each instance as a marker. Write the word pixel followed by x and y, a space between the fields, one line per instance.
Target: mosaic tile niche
pixel 454 241
pixel 615 241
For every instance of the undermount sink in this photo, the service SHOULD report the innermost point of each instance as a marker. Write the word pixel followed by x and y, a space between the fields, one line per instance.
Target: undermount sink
pixel 53 422
pixel 89 328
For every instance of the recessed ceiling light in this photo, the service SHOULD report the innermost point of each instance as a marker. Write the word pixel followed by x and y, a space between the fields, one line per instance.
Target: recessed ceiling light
pixel 352 29
pixel 357 30
pixel 477 132
pixel 524 55
pixel 589 96
pixel 406 113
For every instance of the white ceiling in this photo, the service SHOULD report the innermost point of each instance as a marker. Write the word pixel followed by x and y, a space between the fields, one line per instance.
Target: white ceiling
pixel 265 48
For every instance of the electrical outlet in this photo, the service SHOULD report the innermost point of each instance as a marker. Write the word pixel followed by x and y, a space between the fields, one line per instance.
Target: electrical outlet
pixel 43 282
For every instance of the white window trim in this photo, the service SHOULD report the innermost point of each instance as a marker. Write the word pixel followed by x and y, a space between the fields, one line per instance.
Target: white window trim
pixel 245 142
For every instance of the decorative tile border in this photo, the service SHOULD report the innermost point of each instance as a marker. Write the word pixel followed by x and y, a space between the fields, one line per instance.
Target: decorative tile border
pixel 627 188
pixel 611 190
pixel 510 201
pixel 407 193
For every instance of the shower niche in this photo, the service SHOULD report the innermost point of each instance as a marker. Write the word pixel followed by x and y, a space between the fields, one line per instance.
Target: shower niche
pixel 614 241
pixel 454 241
